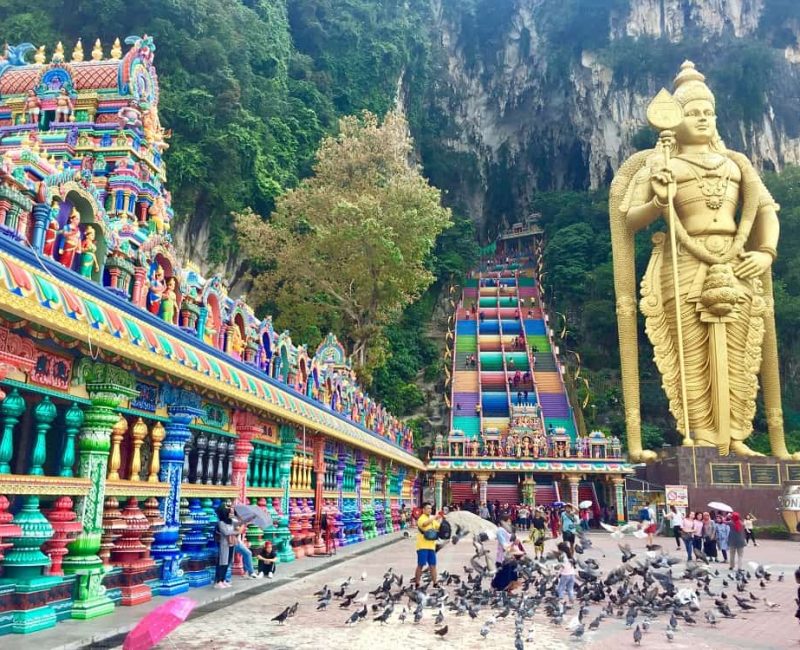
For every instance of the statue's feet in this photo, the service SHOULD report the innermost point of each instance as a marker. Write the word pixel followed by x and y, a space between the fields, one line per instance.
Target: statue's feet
pixel 740 449
pixel 642 456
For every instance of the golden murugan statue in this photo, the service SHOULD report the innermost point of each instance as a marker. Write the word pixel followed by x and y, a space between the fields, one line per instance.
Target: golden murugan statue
pixel 723 223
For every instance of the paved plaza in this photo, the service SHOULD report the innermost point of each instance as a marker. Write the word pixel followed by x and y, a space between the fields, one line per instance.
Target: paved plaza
pixel 245 622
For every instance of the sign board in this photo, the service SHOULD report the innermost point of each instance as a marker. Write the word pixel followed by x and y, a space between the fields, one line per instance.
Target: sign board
pixel 764 475
pixel 677 495
pixel 726 473
pixel 793 472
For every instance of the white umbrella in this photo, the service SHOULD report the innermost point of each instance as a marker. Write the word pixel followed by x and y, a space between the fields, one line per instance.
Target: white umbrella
pixel 718 505
pixel 585 504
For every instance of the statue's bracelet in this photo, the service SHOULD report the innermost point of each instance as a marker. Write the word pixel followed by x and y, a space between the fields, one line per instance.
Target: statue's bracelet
pixel 769 250
pixel 658 203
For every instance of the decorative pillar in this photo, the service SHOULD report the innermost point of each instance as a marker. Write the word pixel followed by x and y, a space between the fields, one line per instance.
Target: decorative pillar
pixel 23 567
pixel 118 432
pixel 194 545
pixel 65 524
pixel 107 387
pixel 483 486
pixel 139 434
pixel 200 443
pixel 247 427
pixel 43 416
pixel 185 408
pixel 12 408
pixel 319 488
pixel 211 464
pixel 41 217
pixel 288 443
pixel 157 435
pixel 222 449
pixel 73 419
pixel 619 497
pixel 438 489
pixel 132 555
pixel 7 529
pixel 139 284
pixel 574 482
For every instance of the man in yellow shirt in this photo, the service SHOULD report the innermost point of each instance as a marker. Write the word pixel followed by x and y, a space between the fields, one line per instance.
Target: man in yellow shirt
pixel 426 548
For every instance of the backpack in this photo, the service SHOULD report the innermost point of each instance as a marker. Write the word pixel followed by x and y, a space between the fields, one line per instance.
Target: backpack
pixel 644 514
pixel 444 530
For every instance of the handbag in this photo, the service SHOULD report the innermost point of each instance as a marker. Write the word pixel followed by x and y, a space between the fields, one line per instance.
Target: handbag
pixel 431 534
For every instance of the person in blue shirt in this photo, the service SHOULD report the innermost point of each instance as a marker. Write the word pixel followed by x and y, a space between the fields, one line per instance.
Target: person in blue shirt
pixel 569 523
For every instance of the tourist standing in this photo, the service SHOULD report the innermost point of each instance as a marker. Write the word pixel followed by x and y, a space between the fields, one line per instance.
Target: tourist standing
pixel 427 527
pixel 723 531
pixel 538 527
pixel 523 515
pixel 225 534
pixel 736 541
pixel 554 522
pixel 675 520
pixel 569 524
pixel 697 534
pixel 749 520
pixel 483 512
pixel 566 574
pixel 687 535
pixel 709 537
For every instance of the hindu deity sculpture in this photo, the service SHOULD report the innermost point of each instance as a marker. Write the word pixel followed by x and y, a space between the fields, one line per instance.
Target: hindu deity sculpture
pixel 70 239
pixel 156 290
pixel 88 254
pixel 64 106
pixel 707 291
pixel 236 345
pixel 33 108
pixel 51 232
pixel 169 301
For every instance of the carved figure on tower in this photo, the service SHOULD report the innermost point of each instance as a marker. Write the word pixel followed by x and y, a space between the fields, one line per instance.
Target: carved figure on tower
pixel 156 290
pixel 64 106
pixel 707 291
pixel 89 254
pixel 169 301
pixel 70 239
pixel 51 232
pixel 33 108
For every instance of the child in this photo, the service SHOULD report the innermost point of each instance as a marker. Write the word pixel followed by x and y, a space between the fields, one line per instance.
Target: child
pixel 267 558
pixel 566 576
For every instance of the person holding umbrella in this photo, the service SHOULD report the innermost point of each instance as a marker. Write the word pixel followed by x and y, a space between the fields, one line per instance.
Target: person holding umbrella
pixel 226 540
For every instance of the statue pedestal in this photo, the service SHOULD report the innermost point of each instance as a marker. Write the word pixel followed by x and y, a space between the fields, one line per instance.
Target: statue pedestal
pixel 747 484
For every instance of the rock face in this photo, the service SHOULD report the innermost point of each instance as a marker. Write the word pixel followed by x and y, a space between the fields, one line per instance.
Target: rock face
pixel 547 102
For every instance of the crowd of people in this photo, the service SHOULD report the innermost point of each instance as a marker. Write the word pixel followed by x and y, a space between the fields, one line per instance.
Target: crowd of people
pixel 711 534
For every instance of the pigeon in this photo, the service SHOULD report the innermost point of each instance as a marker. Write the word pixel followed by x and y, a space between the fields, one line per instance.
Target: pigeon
pixel 363 576
pixel 485 630
pixel 637 636
pixel 385 615
pixel 439 618
pixel 281 618
pixel 441 631
pixel 356 616
pixel 293 610
pixel 458 535
pixel 578 631
pixel 670 635
pixel 771 605
pixel 403 614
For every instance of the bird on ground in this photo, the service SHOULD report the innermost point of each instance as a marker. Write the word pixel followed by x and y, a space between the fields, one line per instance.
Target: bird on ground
pixel 441 632
pixel 281 618
pixel 637 636
pixel 439 618
pixel 670 634
pixel 363 576
pixel 771 605
pixel 384 615
pixel 293 609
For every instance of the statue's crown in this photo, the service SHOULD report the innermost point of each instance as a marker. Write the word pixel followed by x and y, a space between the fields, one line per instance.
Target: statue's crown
pixel 690 84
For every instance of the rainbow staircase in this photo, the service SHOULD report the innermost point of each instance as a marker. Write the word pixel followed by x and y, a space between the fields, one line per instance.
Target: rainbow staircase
pixel 464 415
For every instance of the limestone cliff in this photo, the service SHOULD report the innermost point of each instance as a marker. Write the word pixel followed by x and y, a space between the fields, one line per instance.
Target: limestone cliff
pixel 553 93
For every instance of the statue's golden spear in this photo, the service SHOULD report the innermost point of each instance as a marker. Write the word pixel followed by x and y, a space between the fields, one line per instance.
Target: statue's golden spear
pixel 665 114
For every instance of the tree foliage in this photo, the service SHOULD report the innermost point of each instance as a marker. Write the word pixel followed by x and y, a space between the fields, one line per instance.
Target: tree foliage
pixel 353 240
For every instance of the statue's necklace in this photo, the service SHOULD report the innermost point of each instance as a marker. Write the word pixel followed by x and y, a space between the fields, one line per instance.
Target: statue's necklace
pixel 714 182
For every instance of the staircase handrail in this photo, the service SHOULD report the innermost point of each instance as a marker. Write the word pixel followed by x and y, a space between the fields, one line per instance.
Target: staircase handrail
pixel 530 357
pixel 478 358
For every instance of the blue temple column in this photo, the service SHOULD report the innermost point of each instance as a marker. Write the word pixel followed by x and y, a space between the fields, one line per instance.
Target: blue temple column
pixel 288 443
pixel 185 406
pixel 41 217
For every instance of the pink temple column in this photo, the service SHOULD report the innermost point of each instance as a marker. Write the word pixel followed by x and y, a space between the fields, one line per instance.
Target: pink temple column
pixel 319 471
pixel 139 282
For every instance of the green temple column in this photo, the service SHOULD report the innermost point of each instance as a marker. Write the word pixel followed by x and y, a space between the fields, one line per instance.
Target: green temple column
pixel 73 419
pixel 286 453
pixel 107 387
pixel 12 408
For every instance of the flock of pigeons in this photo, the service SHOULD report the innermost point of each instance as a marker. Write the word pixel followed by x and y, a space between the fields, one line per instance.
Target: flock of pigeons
pixel 642 593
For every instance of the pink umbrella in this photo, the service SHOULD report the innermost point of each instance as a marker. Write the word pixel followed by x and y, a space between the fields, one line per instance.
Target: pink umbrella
pixel 159 623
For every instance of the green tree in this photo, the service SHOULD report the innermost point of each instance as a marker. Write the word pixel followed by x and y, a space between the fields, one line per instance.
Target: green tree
pixel 353 239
